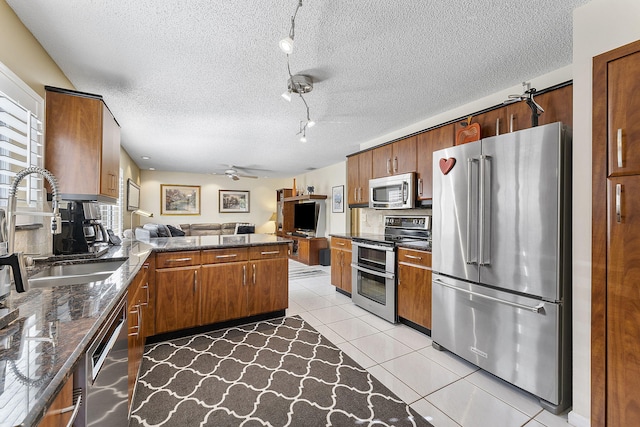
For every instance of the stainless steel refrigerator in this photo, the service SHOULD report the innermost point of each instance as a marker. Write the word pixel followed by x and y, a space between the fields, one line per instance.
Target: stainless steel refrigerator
pixel 502 258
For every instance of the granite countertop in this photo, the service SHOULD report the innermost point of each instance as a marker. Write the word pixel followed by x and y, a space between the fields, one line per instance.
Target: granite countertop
pixel 166 244
pixel 39 351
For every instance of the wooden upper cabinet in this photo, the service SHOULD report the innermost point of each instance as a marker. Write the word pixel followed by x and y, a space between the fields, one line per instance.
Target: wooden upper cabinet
pixel 359 172
pixel 427 143
pixel 557 105
pixel 623 114
pixel 492 122
pixel 82 146
pixel 396 158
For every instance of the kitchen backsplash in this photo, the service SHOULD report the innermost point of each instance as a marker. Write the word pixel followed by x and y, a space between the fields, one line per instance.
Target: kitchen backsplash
pixel 372 220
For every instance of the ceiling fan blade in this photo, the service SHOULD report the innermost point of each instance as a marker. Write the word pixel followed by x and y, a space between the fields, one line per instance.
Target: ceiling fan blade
pixel 234 177
pixel 248 176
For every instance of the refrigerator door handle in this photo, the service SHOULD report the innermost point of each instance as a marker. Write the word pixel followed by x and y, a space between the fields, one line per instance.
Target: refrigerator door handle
pixel 485 211
pixel 536 309
pixel 468 259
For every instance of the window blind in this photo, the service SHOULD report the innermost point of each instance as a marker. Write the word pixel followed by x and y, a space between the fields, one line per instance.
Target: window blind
pixel 112 214
pixel 21 146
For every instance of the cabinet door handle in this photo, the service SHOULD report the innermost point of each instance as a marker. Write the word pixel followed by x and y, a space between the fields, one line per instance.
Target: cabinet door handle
pixel 244 275
pixel 395 164
pixel 412 256
pixel 178 259
pixel 226 256
pixel 147 288
pixel 254 274
pixel 355 193
pixel 136 311
pixel 498 126
pixel 618 203
pixel 269 252
pixel 195 281
pixel 389 166
pixel 420 186
pixel 340 243
pixel 619 143
pixel 511 122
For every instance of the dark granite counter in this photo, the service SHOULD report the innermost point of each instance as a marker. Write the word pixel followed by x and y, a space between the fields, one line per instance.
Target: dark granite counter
pixel 39 351
pixel 166 244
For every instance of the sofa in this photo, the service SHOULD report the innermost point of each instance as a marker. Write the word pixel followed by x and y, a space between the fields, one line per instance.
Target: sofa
pixel 152 230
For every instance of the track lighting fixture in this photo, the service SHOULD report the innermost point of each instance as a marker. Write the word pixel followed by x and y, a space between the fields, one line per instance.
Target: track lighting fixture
pixel 286 44
pixel 297 83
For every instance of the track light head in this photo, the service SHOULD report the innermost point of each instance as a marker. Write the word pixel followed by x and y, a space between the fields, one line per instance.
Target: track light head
pixel 287 96
pixel 286 45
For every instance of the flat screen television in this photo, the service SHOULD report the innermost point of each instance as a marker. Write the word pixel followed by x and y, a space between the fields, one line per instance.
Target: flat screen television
pixel 305 216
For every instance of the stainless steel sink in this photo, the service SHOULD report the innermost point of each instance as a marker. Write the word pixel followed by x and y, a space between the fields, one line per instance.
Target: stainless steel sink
pixel 73 274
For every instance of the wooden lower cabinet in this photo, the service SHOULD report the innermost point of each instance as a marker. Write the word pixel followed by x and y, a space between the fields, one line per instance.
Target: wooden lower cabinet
pixel 177 298
pixel 60 411
pixel 230 284
pixel 224 292
pixel 268 289
pixel 341 272
pixel 307 250
pixel 414 286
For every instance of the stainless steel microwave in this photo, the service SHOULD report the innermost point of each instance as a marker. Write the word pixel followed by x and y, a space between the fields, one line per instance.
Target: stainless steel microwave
pixel 393 192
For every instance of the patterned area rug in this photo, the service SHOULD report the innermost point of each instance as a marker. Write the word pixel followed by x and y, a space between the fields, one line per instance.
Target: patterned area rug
pixel 278 373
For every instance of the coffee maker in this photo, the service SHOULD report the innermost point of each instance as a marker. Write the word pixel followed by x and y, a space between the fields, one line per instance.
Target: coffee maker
pixel 82 231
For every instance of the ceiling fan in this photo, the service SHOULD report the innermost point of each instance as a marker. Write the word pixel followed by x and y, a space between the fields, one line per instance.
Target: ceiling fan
pixel 232 173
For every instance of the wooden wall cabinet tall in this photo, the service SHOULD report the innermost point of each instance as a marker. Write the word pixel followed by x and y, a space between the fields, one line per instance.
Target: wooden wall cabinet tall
pixel 427 143
pixel 359 172
pixel 82 145
pixel 615 329
pixel 396 158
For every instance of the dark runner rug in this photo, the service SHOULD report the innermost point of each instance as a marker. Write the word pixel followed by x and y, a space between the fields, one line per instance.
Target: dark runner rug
pixel 279 372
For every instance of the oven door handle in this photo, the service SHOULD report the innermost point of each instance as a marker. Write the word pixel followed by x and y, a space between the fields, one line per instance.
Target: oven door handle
pixel 375 273
pixel 376 247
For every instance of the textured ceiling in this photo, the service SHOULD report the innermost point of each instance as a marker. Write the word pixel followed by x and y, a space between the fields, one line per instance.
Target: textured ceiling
pixel 196 84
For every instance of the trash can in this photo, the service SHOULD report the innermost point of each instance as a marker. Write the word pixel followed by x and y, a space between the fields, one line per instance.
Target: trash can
pixel 325 256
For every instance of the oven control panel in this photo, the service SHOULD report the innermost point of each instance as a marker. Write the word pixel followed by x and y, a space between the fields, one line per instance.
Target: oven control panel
pixel 410 222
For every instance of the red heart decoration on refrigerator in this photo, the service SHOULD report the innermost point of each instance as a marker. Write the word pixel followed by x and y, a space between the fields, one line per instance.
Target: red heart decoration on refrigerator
pixel 446 165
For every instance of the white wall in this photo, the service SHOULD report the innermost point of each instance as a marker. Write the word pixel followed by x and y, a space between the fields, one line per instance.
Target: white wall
pixel 323 180
pixel 262 198
pixel 598 27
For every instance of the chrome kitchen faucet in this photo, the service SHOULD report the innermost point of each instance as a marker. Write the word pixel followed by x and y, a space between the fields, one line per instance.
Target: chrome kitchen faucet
pixel 16 259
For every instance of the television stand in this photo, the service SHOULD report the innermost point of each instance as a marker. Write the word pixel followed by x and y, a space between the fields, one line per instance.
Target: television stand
pixel 307 249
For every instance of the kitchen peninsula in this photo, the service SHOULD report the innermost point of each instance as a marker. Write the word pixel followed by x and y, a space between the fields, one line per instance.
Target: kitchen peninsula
pixel 44 348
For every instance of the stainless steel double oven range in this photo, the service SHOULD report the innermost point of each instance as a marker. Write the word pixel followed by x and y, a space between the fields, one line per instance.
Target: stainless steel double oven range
pixel 374 263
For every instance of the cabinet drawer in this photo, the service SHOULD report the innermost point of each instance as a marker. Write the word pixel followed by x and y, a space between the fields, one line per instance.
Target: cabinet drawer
pixel 340 243
pixel 216 256
pixel 266 252
pixel 177 259
pixel 414 257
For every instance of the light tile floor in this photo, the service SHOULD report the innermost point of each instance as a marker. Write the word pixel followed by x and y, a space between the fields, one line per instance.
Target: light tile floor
pixel 445 389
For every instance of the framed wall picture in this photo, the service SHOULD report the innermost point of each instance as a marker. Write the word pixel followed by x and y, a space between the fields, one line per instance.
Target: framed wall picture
pixel 179 199
pixel 337 199
pixel 233 201
pixel 133 195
